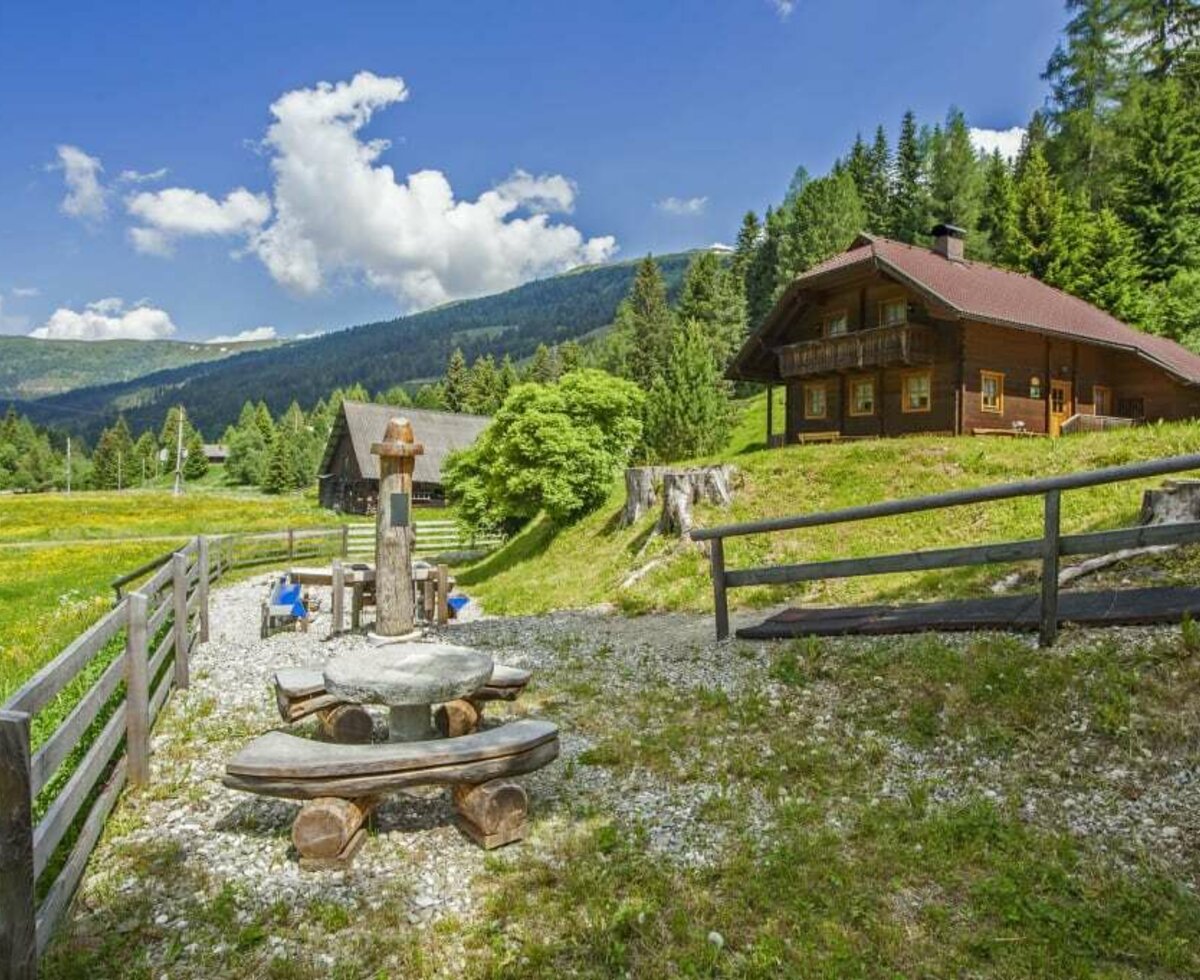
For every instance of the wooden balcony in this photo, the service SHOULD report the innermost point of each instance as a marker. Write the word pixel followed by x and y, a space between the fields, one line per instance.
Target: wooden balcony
pixel 906 343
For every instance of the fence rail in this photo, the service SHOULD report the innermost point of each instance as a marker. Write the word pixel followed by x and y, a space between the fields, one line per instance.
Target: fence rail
pixel 1049 548
pixel 429 538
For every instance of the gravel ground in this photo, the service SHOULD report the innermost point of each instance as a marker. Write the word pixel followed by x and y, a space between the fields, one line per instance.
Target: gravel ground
pixel 416 856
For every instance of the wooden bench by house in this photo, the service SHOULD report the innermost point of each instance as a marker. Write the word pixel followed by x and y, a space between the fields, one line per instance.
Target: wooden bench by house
pixel 832 435
pixel 342 784
pixel 300 692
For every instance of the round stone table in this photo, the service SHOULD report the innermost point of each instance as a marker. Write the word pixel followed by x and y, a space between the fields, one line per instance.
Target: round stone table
pixel 409 678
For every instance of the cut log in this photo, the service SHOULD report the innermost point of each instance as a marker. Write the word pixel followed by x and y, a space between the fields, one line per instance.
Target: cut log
pixel 1175 502
pixel 349 723
pixel 327 825
pixel 494 813
pixel 641 484
pixel 455 718
pixel 681 489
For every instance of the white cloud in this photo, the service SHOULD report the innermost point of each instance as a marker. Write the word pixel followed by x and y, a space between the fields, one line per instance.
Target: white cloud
pixel 23 292
pixel 783 8
pixel 246 336
pixel 137 177
pixel 683 206
pixel 106 319
pixel 175 212
pixel 310 335
pixel 339 211
pixel 86 197
pixel 1007 141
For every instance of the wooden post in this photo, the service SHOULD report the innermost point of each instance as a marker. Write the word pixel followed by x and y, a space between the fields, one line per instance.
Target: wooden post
pixel 394 604
pixel 770 413
pixel 137 690
pixel 18 901
pixel 179 590
pixel 202 586
pixel 443 595
pixel 345 540
pixel 291 539
pixel 337 610
pixel 1050 549
pixel 720 600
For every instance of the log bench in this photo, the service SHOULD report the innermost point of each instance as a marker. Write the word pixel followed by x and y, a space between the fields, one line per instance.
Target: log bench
pixel 300 692
pixel 341 784
pixel 830 435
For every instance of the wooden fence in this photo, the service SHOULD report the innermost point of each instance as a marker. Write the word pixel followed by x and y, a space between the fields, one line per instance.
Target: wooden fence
pixel 1051 546
pixel 430 538
pixel 100 696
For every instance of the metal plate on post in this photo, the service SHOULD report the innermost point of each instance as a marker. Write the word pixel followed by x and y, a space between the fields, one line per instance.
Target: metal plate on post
pixel 400 509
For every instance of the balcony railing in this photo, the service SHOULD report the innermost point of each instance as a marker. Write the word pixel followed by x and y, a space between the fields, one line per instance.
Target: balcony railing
pixel 905 343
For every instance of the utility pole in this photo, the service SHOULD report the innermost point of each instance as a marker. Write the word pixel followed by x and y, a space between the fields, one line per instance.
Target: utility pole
pixel 179 456
pixel 68 464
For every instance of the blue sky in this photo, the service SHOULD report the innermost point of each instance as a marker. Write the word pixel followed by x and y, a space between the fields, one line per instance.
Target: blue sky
pixel 548 134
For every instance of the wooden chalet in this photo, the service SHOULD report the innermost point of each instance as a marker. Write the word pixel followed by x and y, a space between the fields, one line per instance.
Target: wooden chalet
pixel 890 339
pixel 349 473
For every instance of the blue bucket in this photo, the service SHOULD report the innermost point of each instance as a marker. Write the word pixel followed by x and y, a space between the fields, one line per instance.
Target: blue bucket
pixel 456 603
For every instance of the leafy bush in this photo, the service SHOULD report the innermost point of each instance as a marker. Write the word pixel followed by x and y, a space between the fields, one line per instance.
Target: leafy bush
pixel 552 448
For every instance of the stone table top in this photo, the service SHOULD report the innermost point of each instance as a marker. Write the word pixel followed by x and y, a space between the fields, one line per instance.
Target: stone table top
pixel 400 674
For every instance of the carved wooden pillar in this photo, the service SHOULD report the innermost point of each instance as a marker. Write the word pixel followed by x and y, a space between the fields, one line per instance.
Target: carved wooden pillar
pixel 393 529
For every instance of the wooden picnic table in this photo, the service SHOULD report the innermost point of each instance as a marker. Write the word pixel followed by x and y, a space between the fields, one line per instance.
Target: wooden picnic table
pixel 432 583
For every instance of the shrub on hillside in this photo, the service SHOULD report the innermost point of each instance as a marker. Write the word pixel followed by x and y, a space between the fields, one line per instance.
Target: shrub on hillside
pixel 553 448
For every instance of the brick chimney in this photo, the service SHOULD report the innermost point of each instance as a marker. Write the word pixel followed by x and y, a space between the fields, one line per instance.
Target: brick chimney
pixel 948 241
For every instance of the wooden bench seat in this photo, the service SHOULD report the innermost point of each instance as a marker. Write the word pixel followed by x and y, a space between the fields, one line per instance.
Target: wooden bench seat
pixel 831 435
pixel 300 692
pixel 343 783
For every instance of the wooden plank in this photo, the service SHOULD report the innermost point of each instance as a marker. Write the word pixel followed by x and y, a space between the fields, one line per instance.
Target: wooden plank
pixel 288 756
pixel 137 693
pixel 958 498
pixel 45 685
pixel 338 603
pixel 58 746
pixel 66 806
pixel 1050 549
pixel 59 895
pixel 917 561
pixel 720 580
pixel 159 697
pixel 18 901
pixel 202 544
pixel 1143 536
pixel 161 654
pixel 159 616
pixel 181 617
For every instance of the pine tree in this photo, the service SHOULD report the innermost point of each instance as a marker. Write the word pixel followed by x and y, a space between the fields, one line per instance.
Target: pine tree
pixel 910 216
pixel 430 396
pixel 764 267
pixel 169 434
pixel 1113 272
pixel 712 299
pixel 998 216
pixel 1039 215
pixel 1069 263
pixel 876 194
pixel 483 387
pixel 113 462
pixel 195 465
pixel 643 327
pixel 1036 135
pixel 279 475
pixel 396 395
pixel 544 368
pixel 264 422
pixel 956 180
pixel 749 237
pixel 687 411
pixel 508 378
pixel 570 358
pixel 145 454
pixel 822 221
pixel 1160 178
pixel 457 382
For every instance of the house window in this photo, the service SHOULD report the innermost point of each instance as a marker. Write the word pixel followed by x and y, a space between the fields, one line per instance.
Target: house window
pixel 991 389
pixel 893 312
pixel 915 389
pixel 815 404
pixel 1102 400
pixel 1131 408
pixel 836 324
pixel 862 396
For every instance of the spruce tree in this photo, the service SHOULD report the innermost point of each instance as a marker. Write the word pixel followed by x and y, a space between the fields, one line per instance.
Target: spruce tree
pixel 1039 215
pixel 910 217
pixel 544 367
pixel 456 385
pixel 570 358
pixel 876 194
pixel 195 465
pixel 430 396
pixel 998 215
pixel 483 387
pixel 643 326
pixel 508 377
pixel 763 270
pixel 822 221
pixel 279 475
pixel 1113 270
pixel 712 299
pixel 956 179
pixel 687 411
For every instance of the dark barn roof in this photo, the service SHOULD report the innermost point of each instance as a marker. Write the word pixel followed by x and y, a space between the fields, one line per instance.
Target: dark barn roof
pixel 440 432
pixel 973 291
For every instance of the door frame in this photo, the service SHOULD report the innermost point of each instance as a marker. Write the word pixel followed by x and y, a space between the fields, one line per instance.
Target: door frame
pixel 1056 420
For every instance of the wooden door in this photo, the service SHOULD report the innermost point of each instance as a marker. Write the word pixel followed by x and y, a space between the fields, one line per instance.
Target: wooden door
pixel 1061 405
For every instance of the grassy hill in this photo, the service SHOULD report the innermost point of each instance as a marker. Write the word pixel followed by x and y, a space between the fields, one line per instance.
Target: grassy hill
pixel 32 368
pixel 377 355
pixel 544 568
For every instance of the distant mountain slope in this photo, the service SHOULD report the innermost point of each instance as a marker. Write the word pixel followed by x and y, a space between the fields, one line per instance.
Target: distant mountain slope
pixel 32 368
pixel 376 355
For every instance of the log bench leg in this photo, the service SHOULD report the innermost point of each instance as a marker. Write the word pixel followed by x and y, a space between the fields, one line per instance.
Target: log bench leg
pixel 455 718
pixel 492 814
pixel 329 831
pixel 348 723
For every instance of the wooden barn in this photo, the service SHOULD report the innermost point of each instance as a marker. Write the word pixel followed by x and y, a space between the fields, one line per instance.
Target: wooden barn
pixel 349 474
pixel 889 339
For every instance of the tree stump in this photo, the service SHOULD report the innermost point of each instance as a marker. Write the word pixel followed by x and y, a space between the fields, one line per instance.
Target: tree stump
pixel 492 814
pixel 329 831
pixel 348 723
pixel 684 488
pixel 640 492
pixel 1175 502
pixel 455 718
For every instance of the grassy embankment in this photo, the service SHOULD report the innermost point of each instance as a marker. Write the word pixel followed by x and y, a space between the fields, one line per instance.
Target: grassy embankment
pixel 545 568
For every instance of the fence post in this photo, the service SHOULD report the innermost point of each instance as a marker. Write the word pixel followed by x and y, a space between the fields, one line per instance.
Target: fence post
pixel 716 556
pixel 345 540
pixel 179 588
pixel 1050 550
pixel 291 539
pixel 137 690
pixel 443 595
pixel 202 586
pixel 18 902
pixel 337 604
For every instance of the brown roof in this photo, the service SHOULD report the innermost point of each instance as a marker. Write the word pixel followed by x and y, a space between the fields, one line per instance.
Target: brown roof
pixel 978 291
pixel 439 432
